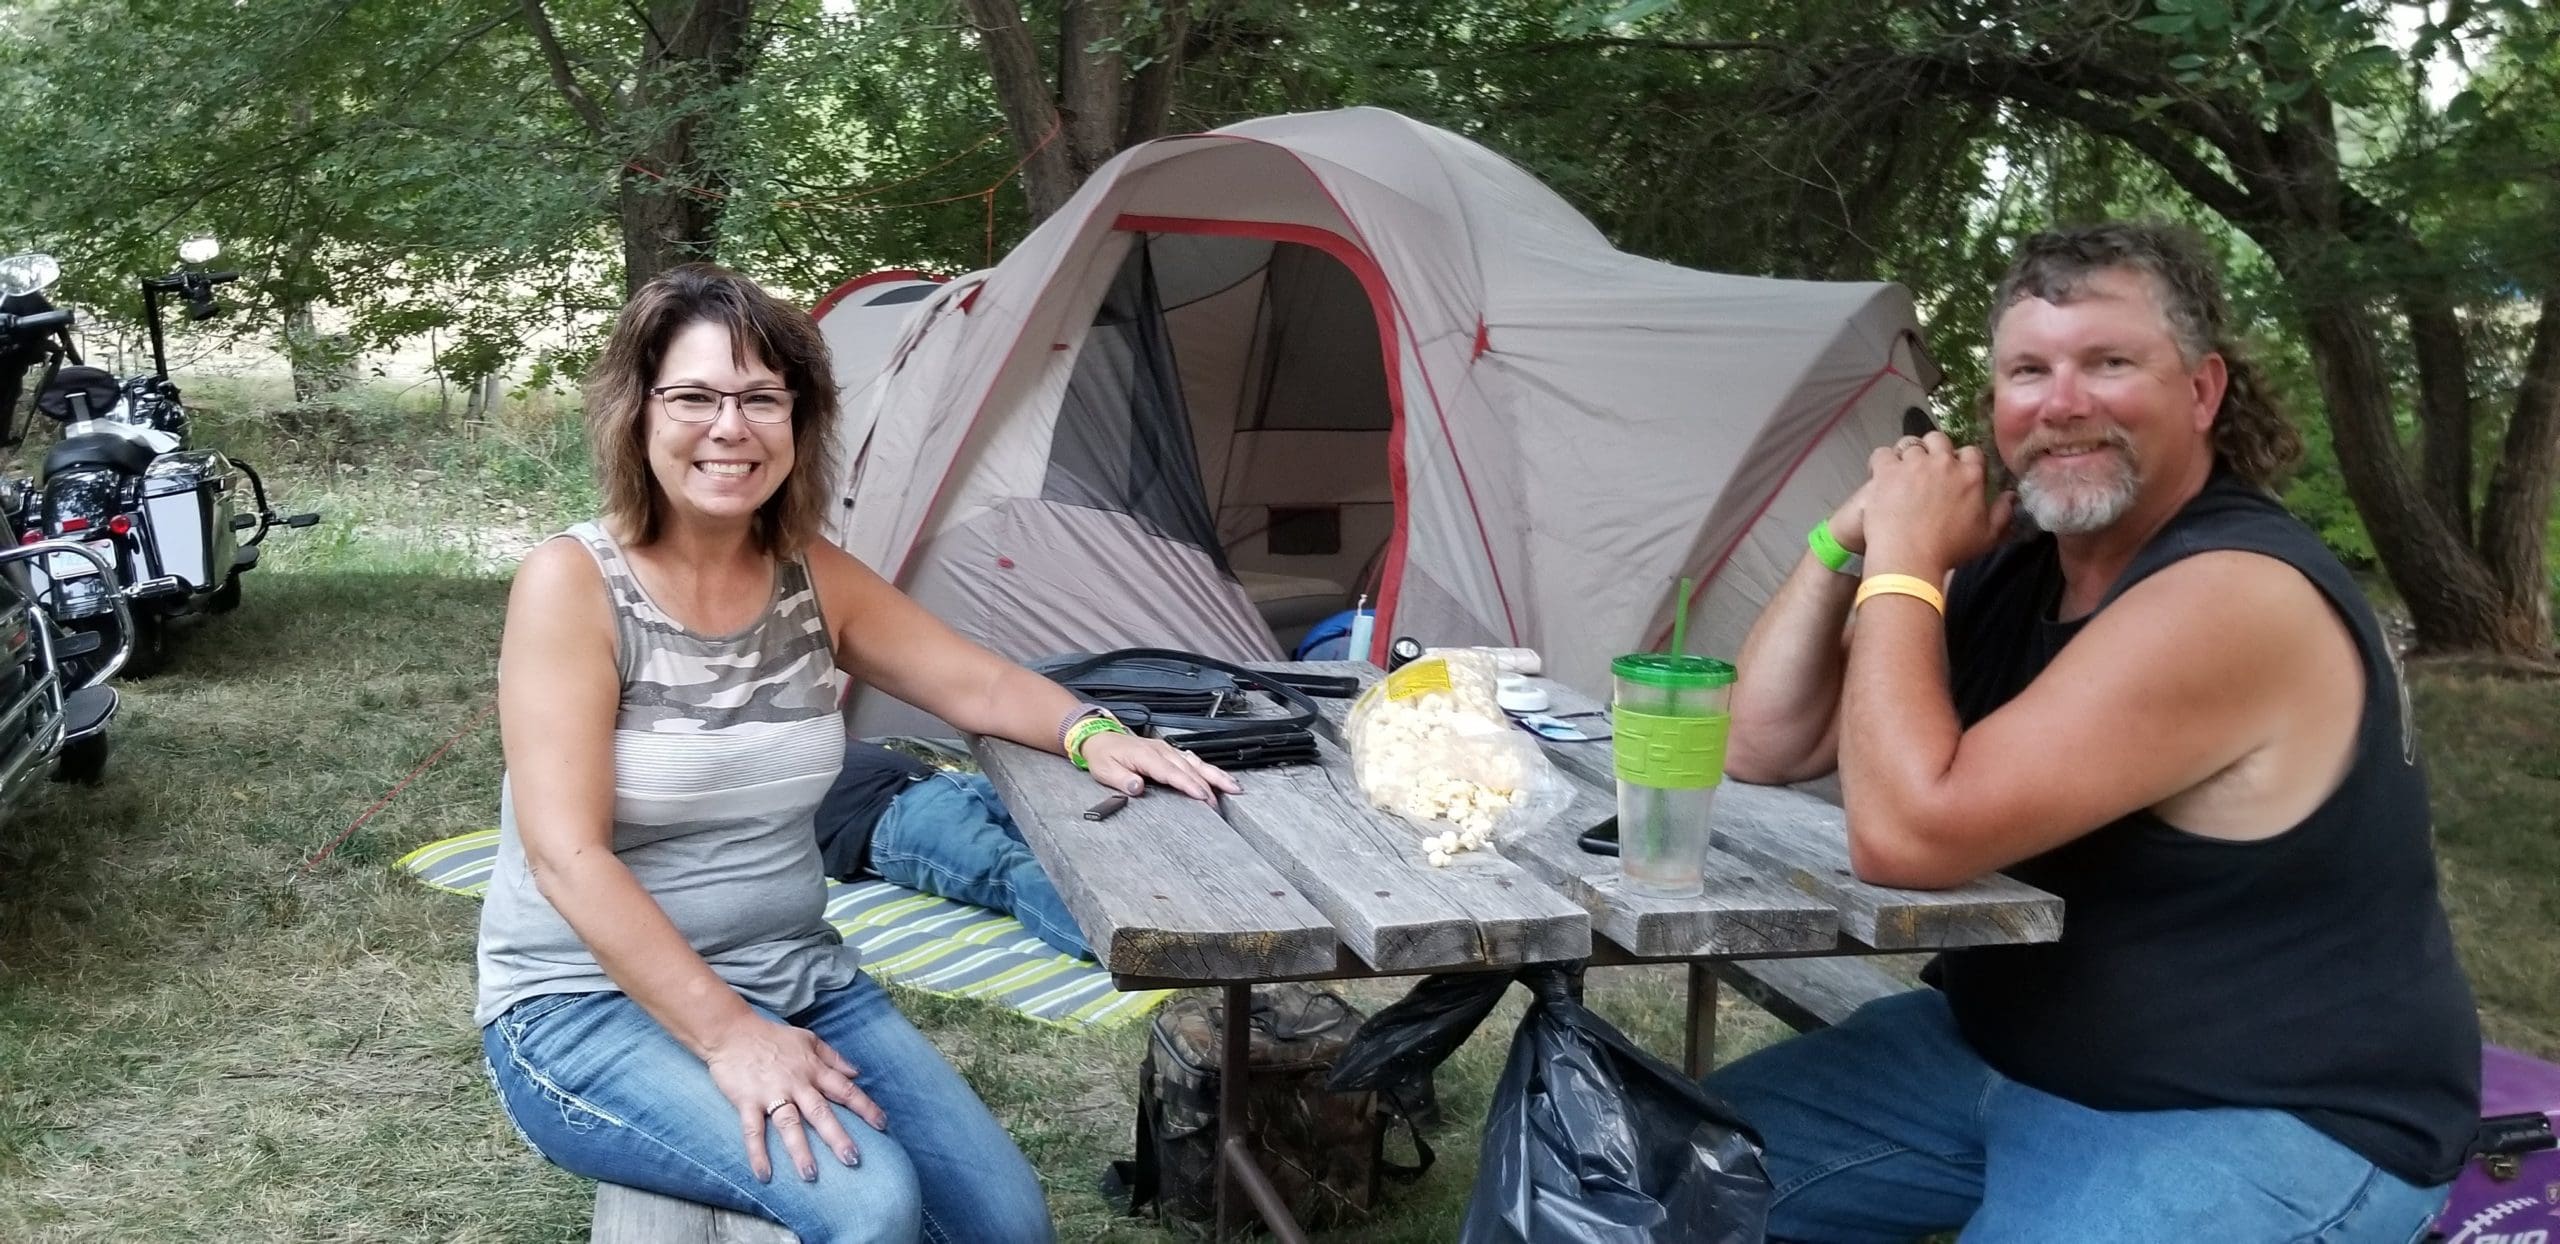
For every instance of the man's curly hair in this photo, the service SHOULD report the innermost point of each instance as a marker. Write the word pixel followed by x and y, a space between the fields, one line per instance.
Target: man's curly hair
pixel 2251 435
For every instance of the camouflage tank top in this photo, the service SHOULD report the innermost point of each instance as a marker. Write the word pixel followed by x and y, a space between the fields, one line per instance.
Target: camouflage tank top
pixel 722 748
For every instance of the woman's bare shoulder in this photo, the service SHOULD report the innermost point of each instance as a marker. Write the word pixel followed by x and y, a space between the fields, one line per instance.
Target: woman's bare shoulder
pixel 558 582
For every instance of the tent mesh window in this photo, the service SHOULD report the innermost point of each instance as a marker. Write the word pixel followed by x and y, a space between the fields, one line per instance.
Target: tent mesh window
pixel 1123 441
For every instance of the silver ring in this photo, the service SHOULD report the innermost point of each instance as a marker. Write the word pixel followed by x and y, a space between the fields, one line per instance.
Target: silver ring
pixel 777 1105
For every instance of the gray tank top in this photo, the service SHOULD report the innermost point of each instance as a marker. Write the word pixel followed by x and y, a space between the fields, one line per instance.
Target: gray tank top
pixel 721 751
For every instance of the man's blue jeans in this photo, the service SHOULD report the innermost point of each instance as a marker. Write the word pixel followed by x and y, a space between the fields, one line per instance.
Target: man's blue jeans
pixel 599 1088
pixel 1888 1127
pixel 949 834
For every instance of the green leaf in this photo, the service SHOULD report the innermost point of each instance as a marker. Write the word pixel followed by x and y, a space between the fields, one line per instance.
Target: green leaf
pixel 2166 24
pixel 2466 109
pixel 2186 60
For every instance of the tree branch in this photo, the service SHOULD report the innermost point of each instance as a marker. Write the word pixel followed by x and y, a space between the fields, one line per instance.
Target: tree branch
pixel 562 75
pixel 2040 86
pixel 461 43
pixel 1656 45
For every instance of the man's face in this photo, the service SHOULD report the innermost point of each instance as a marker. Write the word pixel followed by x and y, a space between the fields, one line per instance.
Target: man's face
pixel 2091 402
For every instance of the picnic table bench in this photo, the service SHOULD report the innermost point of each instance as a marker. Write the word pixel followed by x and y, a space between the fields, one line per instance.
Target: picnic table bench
pixel 1298 878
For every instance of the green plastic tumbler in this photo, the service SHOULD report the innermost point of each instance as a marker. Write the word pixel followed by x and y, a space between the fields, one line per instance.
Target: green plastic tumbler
pixel 1671 715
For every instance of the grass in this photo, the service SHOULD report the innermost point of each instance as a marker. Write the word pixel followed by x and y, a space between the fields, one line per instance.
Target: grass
pixel 200 1040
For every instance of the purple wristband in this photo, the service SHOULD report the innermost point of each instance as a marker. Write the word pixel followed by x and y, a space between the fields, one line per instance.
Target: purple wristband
pixel 1080 712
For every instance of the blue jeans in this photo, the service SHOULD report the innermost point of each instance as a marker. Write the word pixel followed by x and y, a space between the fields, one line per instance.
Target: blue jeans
pixel 950 835
pixel 1888 1127
pixel 599 1088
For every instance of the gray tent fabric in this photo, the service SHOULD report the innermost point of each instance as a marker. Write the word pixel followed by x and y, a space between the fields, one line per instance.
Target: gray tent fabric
pixel 1362 356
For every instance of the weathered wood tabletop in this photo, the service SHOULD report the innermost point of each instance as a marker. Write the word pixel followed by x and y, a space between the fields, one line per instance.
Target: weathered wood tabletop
pixel 1298 877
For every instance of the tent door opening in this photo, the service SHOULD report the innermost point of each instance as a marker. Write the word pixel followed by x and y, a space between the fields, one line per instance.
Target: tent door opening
pixel 1232 395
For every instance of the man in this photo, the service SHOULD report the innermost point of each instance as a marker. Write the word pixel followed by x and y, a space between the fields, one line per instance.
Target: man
pixel 2170 707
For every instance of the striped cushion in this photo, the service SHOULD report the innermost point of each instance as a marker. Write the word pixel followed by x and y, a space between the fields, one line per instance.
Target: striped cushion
pixel 915 939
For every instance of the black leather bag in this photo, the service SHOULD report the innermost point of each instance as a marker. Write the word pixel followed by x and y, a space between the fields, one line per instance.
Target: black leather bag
pixel 1198 703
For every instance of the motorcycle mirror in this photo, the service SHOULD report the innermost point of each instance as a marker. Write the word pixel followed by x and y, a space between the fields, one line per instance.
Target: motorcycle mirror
pixel 199 249
pixel 27 274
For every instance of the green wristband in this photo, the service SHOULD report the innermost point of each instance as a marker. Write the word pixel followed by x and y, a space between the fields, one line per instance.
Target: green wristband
pixel 1827 549
pixel 1083 733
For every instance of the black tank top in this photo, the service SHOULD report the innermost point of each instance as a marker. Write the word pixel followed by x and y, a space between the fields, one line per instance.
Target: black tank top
pixel 2312 972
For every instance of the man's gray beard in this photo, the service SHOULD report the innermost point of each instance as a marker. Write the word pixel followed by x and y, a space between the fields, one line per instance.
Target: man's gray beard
pixel 2079 511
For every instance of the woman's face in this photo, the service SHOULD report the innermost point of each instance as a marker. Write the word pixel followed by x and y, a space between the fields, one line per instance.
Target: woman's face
pixel 717 458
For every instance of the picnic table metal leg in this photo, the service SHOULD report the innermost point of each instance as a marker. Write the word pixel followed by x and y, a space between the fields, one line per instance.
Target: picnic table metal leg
pixel 1699 1054
pixel 1236 1167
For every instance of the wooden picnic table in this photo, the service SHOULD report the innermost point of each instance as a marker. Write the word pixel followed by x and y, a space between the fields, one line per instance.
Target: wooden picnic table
pixel 1298 878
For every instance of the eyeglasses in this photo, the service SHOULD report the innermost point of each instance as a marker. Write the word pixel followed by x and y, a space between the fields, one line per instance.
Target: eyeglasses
pixel 694 403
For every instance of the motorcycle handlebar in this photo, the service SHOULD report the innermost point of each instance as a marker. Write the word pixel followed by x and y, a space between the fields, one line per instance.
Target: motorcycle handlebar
pixel 36 325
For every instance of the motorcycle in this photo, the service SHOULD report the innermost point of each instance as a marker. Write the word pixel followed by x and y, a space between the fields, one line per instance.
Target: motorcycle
pixel 122 480
pixel 57 701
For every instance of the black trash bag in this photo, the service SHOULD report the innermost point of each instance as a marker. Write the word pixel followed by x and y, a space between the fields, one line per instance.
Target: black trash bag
pixel 1395 1052
pixel 1591 1139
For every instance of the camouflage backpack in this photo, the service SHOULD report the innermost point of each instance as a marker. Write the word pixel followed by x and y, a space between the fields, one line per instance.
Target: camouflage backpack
pixel 1322 1150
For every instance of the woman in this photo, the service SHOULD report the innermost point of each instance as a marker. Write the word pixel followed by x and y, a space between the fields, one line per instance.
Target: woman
pixel 661 998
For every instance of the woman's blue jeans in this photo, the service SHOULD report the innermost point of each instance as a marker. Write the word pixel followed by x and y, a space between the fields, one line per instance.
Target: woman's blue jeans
pixel 1889 1127
pixel 599 1088
pixel 950 835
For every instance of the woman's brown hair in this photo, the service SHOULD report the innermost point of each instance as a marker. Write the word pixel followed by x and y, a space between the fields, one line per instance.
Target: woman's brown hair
pixel 761 327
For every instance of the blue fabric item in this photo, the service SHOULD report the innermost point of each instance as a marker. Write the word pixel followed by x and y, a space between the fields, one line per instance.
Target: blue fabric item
pixel 872 776
pixel 597 1086
pixel 1888 1127
pixel 950 835
pixel 1329 640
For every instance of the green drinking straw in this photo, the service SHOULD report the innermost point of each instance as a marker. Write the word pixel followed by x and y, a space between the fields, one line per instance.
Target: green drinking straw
pixel 1680 619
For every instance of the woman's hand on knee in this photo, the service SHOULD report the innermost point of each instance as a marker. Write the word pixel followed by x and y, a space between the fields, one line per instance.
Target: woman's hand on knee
pixel 786 1077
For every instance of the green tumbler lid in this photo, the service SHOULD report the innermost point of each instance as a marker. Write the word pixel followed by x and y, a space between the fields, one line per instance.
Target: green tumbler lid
pixel 1676 673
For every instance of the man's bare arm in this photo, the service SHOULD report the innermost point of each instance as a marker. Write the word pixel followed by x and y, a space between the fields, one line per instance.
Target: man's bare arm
pixel 2186 675
pixel 1786 690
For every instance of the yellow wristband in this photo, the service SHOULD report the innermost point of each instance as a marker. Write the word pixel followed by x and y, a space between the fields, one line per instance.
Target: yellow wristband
pixel 1901 585
pixel 1083 733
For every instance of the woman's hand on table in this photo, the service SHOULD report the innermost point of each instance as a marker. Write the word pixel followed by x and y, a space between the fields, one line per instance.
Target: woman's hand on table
pixel 787 1076
pixel 1127 763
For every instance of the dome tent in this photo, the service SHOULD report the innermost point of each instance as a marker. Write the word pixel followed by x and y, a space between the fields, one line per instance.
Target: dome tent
pixel 1243 377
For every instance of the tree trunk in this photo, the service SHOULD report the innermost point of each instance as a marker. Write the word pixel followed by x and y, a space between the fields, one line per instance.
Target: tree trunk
pixel 2515 519
pixel 663 226
pixel 2454 601
pixel 694 48
pixel 1097 109
pixel 669 196
pixel 2444 405
pixel 1030 113
pixel 1150 101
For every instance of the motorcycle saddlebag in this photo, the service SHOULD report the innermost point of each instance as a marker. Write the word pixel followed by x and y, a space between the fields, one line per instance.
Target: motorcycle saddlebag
pixel 186 501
